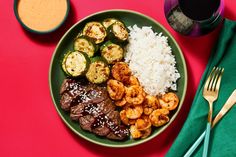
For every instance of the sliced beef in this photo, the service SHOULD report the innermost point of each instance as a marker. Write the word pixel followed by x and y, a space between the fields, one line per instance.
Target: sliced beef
pixel 80 91
pixel 77 111
pixel 86 122
pixel 70 90
pixel 92 107
pixel 96 92
pixel 101 130
pixel 96 100
pixel 65 101
pixel 106 106
pixel 65 85
pixel 113 136
pixel 120 134
pixel 101 125
pixel 114 116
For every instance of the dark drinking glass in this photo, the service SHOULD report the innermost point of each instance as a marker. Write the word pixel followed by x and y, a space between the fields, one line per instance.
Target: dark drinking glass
pixel 194 17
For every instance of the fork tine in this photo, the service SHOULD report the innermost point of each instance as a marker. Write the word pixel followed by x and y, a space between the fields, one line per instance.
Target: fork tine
pixel 209 79
pixel 215 79
pixel 217 87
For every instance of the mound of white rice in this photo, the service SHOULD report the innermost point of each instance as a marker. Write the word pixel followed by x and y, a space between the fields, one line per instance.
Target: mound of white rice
pixel 150 59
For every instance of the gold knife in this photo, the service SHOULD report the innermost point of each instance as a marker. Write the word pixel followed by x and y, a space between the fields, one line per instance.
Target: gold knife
pixel 227 106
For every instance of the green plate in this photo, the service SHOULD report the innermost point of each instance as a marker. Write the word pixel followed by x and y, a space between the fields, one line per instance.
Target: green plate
pixel 56 75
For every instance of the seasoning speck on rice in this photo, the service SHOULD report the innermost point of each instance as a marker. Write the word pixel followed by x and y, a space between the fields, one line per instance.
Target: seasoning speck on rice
pixel 151 60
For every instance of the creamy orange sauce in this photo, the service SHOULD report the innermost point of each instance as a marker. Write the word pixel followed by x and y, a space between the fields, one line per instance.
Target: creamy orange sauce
pixel 42 15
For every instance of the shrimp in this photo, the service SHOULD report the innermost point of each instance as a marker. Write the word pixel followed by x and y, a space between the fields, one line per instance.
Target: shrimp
pixel 132 121
pixel 116 89
pixel 169 101
pixel 143 123
pixel 133 81
pixel 134 112
pixel 134 95
pixel 126 120
pixel 121 72
pixel 121 102
pixel 135 133
pixel 150 103
pixel 146 133
pixel 159 117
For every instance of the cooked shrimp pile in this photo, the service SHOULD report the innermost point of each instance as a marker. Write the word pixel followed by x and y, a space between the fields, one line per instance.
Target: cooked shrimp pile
pixel 139 110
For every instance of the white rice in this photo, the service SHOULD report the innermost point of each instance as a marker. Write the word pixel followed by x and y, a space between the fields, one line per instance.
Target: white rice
pixel 151 60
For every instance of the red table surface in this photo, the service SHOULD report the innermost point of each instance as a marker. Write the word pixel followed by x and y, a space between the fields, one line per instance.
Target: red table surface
pixel 29 123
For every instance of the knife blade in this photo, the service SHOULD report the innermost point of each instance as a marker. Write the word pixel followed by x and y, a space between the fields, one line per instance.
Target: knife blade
pixel 227 106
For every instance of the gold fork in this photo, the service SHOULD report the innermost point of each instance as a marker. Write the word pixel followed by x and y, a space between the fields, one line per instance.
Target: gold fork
pixel 210 93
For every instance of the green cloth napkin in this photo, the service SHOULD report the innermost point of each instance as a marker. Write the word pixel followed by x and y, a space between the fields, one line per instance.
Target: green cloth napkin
pixel 223 136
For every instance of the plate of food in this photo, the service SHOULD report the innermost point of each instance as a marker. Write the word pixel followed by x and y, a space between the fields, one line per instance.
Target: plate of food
pixel 118 78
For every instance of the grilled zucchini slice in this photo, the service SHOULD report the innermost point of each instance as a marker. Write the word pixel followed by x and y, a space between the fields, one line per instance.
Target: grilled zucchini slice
pixel 98 71
pixel 85 45
pixel 118 32
pixel 98 58
pixel 63 65
pixel 108 22
pixel 112 52
pixel 96 31
pixel 76 63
